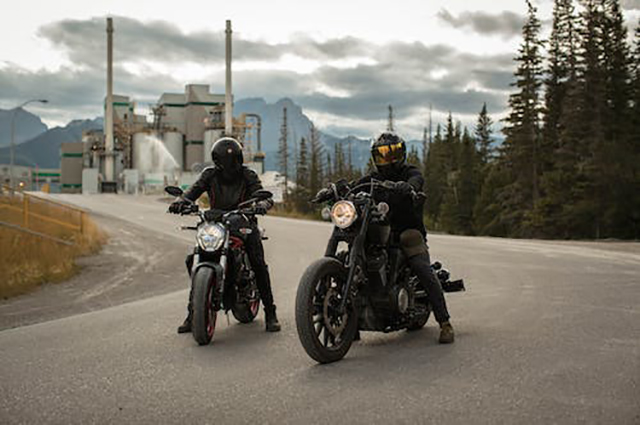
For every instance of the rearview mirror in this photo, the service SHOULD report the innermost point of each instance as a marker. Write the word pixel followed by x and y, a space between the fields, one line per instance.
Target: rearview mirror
pixel 174 191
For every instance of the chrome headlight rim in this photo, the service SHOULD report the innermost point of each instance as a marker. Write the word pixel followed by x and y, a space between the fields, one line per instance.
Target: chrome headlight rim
pixel 210 236
pixel 344 214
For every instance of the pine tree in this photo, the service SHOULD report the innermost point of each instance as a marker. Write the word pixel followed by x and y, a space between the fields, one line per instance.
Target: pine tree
pixel 436 170
pixel 560 70
pixel 302 193
pixel 283 153
pixel 521 147
pixel 483 133
pixel 316 175
pixel 413 156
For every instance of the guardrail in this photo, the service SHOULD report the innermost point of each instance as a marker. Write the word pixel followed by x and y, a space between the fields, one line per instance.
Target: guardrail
pixel 41 216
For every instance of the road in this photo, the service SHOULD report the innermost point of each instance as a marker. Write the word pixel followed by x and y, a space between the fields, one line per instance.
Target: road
pixel 548 332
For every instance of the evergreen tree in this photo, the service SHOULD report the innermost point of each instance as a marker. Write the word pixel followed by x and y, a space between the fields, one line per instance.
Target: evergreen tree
pixel 483 134
pixel 435 177
pixel 413 157
pixel 302 194
pixel 316 175
pixel 560 69
pixel 521 147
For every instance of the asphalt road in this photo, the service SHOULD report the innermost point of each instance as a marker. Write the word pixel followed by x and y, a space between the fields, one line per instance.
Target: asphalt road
pixel 548 332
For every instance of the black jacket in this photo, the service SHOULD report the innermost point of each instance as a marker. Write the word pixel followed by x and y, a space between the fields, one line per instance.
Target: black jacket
pixel 404 213
pixel 224 195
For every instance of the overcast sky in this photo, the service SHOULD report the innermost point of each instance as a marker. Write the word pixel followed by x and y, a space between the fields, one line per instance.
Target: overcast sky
pixel 343 61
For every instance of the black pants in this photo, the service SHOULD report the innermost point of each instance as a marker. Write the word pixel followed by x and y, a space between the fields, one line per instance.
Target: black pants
pixel 255 251
pixel 421 265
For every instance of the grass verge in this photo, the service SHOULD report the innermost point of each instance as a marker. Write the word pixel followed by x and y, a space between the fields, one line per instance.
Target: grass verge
pixel 27 261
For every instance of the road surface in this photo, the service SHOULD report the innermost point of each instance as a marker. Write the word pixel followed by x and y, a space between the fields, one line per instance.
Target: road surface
pixel 548 332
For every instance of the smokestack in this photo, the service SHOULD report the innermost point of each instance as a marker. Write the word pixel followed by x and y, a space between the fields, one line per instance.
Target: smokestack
pixel 228 101
pixel 108 121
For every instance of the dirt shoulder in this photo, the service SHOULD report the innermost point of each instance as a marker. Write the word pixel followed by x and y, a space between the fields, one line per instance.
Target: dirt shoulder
pixel 136 263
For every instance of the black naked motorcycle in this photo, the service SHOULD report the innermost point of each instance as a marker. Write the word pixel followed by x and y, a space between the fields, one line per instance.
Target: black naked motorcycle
pixel 369 286
pixel 221 275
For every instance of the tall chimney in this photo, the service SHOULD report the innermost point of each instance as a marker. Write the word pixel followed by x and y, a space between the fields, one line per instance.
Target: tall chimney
pixel 108 121
pixel 228 101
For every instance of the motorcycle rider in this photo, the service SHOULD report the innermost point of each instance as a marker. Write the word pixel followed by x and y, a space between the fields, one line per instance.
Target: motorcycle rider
pixel 389 154
pixel 229 183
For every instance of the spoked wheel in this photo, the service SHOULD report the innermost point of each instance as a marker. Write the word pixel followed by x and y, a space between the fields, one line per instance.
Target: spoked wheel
pixel 246 307
pixel 204 313
pixel 325 333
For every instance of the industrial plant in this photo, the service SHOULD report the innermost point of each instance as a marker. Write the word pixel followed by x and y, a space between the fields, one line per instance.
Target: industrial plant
pixel 134 155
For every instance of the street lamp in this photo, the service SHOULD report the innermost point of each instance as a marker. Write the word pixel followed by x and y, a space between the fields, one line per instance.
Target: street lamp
pixel 13 131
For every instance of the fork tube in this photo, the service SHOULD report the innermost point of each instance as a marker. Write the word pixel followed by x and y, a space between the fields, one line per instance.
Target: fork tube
pixel 223 260
pixel 355 255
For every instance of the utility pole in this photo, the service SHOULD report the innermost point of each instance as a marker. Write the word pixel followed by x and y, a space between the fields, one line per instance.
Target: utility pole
pixel 390 120
pixel 228 100
pixel 109 168
pixel 284 153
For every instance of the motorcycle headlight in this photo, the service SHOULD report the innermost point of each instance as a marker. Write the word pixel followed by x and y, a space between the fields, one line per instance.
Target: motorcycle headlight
pixel 210 236
pixel 343 214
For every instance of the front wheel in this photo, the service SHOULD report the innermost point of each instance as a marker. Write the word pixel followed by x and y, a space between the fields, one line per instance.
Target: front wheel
pixel 204 315
pixel 325 334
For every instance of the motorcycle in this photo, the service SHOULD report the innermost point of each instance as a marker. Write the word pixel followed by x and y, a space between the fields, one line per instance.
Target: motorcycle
pixel 221 274
pixel 369 286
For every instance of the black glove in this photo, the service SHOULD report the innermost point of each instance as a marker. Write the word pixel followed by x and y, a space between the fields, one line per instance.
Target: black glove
pixel 176 207
pixel 213 214
pixel 403 189
pixel 262 207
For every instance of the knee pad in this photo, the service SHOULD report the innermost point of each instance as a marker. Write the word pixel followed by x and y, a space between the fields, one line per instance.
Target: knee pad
pixel 413 243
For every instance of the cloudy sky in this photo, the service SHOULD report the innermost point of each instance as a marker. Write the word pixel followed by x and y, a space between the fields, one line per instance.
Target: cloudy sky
pixel 343 61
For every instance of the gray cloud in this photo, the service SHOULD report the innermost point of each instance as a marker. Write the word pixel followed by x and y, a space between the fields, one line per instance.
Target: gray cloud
pixel 507 24
pixel 400 73
pixel 630 4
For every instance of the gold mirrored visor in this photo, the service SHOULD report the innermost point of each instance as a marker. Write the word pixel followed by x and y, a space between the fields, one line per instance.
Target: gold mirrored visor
pixel 388 154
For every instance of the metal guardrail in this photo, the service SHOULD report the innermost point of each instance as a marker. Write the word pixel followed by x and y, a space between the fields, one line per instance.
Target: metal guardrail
pixel 29 208
pixel 34 233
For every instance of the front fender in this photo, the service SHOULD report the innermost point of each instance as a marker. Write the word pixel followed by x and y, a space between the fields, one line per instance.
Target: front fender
pixel 217 268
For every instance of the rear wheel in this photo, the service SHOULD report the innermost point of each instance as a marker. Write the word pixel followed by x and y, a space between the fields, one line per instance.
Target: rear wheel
pixel 204 316
pixel 420 321
pixel 325 334
pixel 246 307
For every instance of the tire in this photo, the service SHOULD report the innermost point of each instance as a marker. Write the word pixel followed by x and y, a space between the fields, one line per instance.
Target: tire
pixel 418 324
pixel 310 315
pixel 203 324
pixel 246 310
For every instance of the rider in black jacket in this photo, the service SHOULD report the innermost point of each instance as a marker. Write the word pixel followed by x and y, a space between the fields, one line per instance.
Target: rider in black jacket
pixel 389 154
pixel 228 184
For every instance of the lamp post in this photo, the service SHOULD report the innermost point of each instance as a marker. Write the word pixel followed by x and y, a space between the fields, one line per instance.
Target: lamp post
pixel 13 131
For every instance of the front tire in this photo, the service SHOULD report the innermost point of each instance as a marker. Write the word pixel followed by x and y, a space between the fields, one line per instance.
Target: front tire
pixel 325 335
pixel 203 323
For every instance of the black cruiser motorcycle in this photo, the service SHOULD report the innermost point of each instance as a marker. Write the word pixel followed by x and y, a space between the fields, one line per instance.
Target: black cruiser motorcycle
pixel 369 286
pixel 221 275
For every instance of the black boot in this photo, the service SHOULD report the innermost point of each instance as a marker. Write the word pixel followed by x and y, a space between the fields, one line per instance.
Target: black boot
pixel 186 326
pixel 271 319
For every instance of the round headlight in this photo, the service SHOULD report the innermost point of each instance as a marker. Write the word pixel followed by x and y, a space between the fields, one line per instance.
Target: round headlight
pixel 210 236
pixel 343 214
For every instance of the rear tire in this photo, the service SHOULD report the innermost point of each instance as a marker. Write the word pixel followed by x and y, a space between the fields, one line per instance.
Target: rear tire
pixel 316 320
pixel 203 323
pixel 245 310
pixel 419 323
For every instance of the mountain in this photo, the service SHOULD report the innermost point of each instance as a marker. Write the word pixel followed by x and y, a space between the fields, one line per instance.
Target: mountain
pixel 44 149
pixel 27 126
pixel 298 124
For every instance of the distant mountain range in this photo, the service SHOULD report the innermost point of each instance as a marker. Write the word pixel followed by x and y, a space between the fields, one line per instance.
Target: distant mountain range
pixel 43 147
pixel 27 126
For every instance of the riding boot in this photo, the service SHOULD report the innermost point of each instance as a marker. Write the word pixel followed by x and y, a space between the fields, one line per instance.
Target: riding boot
pixel 446 333
pixel 186 325
pixel 271 319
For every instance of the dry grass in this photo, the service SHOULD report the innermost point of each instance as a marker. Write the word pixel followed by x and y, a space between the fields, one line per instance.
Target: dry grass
pixel 27 260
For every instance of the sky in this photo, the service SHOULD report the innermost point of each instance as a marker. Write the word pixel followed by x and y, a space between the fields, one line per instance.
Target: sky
pixel 342 61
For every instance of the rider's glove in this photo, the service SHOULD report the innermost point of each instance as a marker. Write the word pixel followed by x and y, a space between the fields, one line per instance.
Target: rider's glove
pixel 262 207
pixel 177 206
pixel 213 214
pixel 403 189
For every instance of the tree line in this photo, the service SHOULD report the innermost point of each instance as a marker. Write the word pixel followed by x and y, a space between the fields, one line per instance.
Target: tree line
pixel 569 165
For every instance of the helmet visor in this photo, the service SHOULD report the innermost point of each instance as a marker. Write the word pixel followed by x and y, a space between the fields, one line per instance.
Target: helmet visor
pixel 388 154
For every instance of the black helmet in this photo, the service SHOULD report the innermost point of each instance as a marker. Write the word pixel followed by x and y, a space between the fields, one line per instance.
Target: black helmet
pixel 388 152
pixel 226 153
